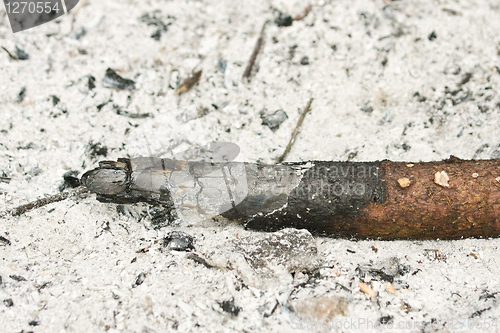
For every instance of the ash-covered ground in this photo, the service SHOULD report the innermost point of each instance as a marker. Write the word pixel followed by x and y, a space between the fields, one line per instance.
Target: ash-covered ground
pixel 399 80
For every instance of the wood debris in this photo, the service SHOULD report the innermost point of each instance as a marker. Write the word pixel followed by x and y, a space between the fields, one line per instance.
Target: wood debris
pixel 441 178
pixel 404 182
pixel 367 290
pixel 189 82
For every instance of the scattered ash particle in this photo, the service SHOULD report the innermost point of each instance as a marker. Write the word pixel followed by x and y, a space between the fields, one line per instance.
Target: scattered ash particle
pixel 230 307
pixel 154 19
pixel 283 20
pixel 55 100
pixel 162 215
pixel 291 51
pixel 432 36
pixel 30 145
pixel 384 320
pixel 196 258
pixel 479 312
pixel 274 120
pixel 34 323
pixel 139 280
pixel 35 171
pixel 178 241
pixel 100 106
pixel 367 108
pixel 96 149
pixel 304 61
pixel 70 180
pixel 420 98
pixel 113 80
pixel 79 33
pixel 466 78
pixel 21 55
pixel 21 95
pixel 8 302
pixel 4 241
pixel 17 278
pixel 91 82
pixel 157 35
pixel 222 65
pixel 132 115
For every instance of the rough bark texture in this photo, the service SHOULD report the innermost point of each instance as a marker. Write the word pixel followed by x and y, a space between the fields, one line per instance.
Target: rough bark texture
pixel 384 200
pixel 469 207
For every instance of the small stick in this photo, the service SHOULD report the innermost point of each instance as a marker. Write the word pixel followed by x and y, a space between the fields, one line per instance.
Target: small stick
pixel 367 290
pixel 255 53
pixel 189 82
pixel 304 14
pixel 19 210
pixel 13 57
pixel 295 132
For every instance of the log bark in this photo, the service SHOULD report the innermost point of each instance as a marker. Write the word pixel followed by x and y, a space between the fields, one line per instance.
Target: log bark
pixel 377 206
pixel 449 199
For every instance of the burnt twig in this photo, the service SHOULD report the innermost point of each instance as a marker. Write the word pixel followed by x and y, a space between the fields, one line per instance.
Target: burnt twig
pixel 45 201
pixel 448 199
pixel 13 57
pixel 295 132
pixel 255 53
pixel 189 82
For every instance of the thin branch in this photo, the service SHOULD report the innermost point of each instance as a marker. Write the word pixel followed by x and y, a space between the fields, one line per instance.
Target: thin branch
pixel 19 210
pixel 255 53
pixel 295 132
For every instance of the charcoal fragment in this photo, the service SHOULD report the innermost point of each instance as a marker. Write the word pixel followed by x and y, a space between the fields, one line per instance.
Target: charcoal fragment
pixel 139 280
pixel 466 78
pixel 222 65
pixel 96 149
pixel 384 320
pixel 230 307
pixel 113 80
pixel 178 241
pixel 55 100
pixel 156 35
pixel 4 241
pixel 367 108
pixel 91 82
pixel 21 95
pixel 8 302
pixel 196 258
pixel 432 36
pixel 21 55
pixel 283 20
pixel 34 323
pixel 70 180
pixel 273 121
pixel 17 278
